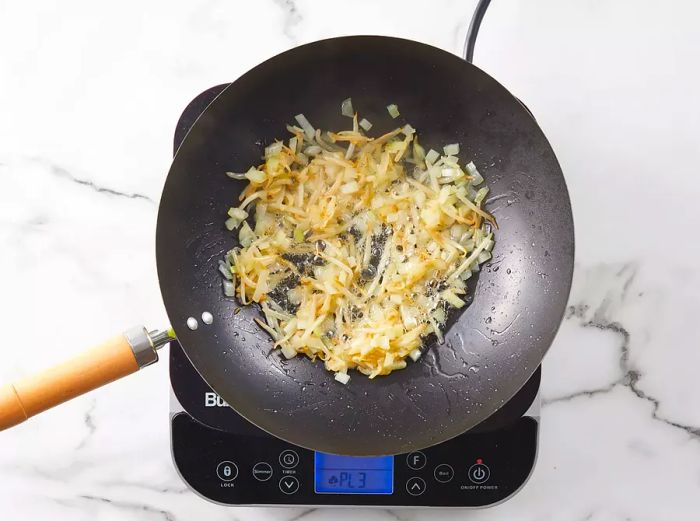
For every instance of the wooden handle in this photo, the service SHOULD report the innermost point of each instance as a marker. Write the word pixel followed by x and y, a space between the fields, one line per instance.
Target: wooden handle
pixel 93 368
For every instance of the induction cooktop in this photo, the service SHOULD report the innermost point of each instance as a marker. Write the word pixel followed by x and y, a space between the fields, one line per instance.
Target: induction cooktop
pixel 228 460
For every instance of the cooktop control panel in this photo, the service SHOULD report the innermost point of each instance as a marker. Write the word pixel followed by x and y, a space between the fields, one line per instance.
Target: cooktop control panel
pixel 228 460
pixel 471 470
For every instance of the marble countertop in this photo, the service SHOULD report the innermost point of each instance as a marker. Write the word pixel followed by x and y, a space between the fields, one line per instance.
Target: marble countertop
pixel 89 97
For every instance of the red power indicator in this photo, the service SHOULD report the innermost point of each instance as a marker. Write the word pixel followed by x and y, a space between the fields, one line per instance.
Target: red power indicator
pixel 479 461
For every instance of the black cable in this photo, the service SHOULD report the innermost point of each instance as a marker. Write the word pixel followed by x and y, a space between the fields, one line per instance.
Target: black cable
pixel 473 30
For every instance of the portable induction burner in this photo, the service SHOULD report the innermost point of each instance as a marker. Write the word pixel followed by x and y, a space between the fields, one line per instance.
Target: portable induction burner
pixel 227 460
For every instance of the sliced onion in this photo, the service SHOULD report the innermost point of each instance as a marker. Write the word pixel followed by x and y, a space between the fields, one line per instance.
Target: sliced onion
pixel 234 175
pixel 452 298
pixel 255 176
pixel 313 150
pixel 350 151
pixel 273 149
pixel 432 191
pixel 350 188
pixel 309 131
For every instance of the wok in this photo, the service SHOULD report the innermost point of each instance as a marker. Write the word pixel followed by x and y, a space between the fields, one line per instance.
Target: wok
pixel 491 348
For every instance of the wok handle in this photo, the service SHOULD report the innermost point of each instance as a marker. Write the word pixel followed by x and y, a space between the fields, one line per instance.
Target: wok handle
pixel 109 361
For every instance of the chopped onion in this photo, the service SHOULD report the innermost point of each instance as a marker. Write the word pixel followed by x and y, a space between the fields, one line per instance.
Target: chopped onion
pixel 246 235
pixel 350 188
pixel 309 131
pixel 346 108
pixel 451 150
pixel 452 298
pixel 273 149
pixel 345 237
pixel 343 378
pixel 313 150
pixel 234 175
pixel 288 352
pixel 431 157
pixel 483 257
pixel 365 124
pixel 237 213
pixel 480 195
pixel 229 288
pixel 474 173
pixel 415 354
pixel 255 176
pixel 393 110
pixel 225 270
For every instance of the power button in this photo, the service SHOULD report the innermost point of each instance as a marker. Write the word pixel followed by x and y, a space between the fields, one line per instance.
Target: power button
pixel 479 473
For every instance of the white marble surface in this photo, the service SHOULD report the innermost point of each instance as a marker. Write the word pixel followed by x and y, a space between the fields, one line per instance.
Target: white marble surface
pixel 89 96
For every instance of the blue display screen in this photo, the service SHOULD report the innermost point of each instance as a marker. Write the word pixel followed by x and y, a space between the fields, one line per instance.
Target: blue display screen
pixel 353 475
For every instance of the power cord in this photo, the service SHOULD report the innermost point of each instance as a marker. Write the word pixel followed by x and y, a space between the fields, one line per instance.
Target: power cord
pixel 473 30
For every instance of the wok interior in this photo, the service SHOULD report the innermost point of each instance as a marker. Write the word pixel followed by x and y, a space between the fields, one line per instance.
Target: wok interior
pixel 491 348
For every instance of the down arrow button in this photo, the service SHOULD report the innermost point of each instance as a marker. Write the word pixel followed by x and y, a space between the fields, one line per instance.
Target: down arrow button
pixel 289 484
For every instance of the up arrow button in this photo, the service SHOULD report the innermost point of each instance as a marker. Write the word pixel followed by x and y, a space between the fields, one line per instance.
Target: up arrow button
pixel 415 486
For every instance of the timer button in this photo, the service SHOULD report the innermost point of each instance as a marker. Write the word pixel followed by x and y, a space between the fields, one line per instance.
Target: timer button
pixel 444 473
pixel 415 486
pixel 416 460
pixel 289 459
pixel 479 473
pixel 227 471
pixel 289 484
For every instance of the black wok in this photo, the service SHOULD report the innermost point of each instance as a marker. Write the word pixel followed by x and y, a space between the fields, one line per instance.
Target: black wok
pixel 491 348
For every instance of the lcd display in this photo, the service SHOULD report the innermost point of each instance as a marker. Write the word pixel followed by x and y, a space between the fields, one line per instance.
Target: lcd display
pixel 353 475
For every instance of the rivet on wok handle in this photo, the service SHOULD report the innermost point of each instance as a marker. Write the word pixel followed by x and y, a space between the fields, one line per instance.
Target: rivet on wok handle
pixel 109 361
